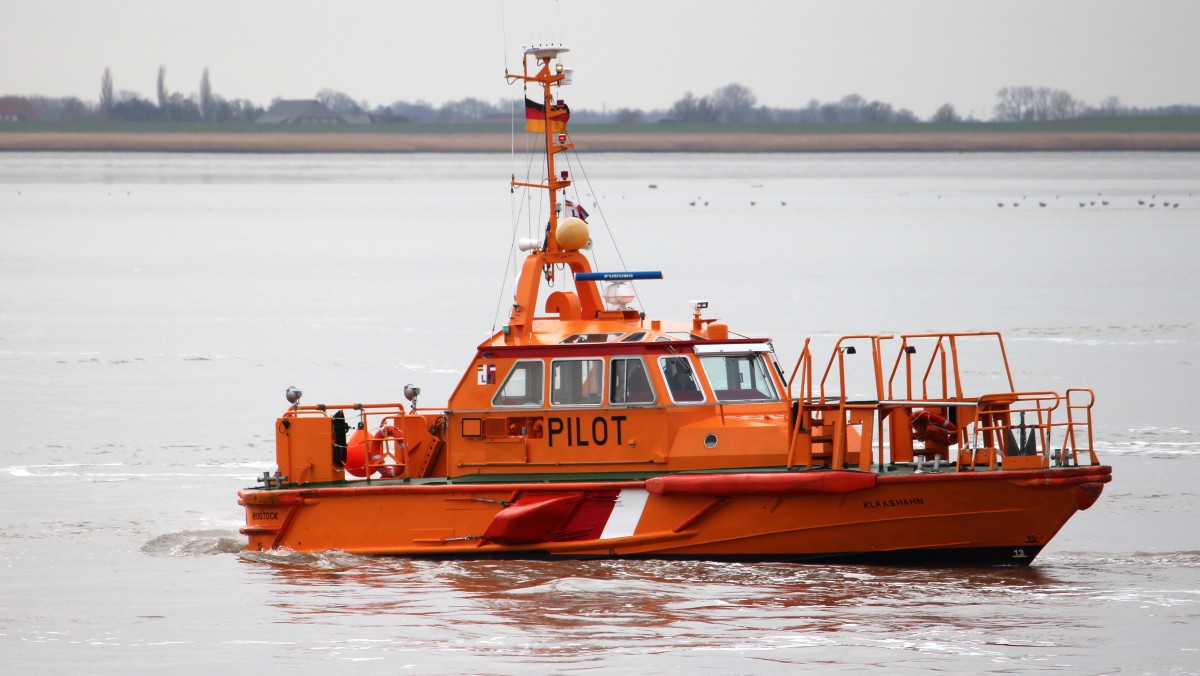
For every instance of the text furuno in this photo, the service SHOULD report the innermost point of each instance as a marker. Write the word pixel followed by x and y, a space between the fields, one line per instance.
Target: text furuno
pixel 897 502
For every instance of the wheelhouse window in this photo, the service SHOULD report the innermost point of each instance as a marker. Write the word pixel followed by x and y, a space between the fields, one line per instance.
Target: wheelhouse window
pixel 629 382
pixel 576 382
pixel 681 380
pixel 523 386
pixel 591 338
pixel 739 377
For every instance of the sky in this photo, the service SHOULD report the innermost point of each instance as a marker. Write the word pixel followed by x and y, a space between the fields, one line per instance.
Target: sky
pixel 914 54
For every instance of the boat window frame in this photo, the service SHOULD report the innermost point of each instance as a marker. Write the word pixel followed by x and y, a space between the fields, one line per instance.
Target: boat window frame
pixel 541 380
pixel 662 369
pixel 600 379
pixel 612 373
pixel 588 338
pixel 756 359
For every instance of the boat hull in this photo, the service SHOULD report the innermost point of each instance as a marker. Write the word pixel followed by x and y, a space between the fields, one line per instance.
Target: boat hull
pixel 953 518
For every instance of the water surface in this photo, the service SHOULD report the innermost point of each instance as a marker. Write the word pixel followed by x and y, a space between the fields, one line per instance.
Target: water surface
pixel 153 308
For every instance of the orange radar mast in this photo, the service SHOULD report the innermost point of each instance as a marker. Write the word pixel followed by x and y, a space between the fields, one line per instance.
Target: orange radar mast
pixel 548 116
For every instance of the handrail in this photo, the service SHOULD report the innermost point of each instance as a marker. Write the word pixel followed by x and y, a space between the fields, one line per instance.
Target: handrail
pixel 1044 403
pixel 1072 423
pixel 940 350
pixel 389 413
pixel 839 353
pixel 804 367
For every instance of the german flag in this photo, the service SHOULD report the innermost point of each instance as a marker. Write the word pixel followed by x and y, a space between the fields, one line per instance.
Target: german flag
pixel 535 117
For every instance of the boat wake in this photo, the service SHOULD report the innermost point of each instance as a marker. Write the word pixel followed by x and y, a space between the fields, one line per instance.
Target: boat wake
pixel 328 560
pixel 195 543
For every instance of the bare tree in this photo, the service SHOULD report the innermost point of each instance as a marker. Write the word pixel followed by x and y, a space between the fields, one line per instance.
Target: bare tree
pixel 946 113
pixel 1019 104
pixel 692 109
pixel 339 102
pixel 106 92
pixel 629 116
pixel 1040 106
pixel 734 103
pixel 877 111
pixel 1063 106
pixel 469 109
pixel 1110 106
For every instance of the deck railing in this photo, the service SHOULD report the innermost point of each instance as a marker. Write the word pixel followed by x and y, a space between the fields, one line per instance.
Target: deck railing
pixel 387 420
pixel 1011 429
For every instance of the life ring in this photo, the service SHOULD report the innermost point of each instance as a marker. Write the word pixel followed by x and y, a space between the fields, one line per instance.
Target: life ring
pixel 376 450
pixel 929 426
pixel 359 447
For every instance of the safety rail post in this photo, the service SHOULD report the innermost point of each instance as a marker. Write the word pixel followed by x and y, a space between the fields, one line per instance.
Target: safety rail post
pixel 943 363
pixel 996 422
pixel 1087 422
pixel 804 367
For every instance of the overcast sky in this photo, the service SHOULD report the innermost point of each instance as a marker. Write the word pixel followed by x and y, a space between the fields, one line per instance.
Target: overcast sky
pixel 915 54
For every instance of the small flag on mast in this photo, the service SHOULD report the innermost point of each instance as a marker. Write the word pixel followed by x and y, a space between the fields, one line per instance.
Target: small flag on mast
pixel 536 116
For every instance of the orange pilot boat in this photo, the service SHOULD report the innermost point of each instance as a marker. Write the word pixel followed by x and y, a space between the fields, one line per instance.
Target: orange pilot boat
pixel 590 431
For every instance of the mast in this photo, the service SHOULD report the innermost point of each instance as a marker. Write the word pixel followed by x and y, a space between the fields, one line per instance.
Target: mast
pixel 585 302
pixel 554 128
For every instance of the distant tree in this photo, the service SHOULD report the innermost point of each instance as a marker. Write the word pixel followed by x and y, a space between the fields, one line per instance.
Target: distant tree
pixel 179 108
pixel 629 116
pixel 65 109
pixel 106 92
pixel 877 111
pixel 1063 106
pixel 469 109
pixel 946 113
pixel 692 109
pixel 208 110
pixel 1109 106
pixel 162 87
pixel 1015 104
pixel 338 102
pixel 133 108
pixel 420 112
pixel 239 110
pixel 1020 104
pixel 74 110
pixel 733 103
pixel 1039 108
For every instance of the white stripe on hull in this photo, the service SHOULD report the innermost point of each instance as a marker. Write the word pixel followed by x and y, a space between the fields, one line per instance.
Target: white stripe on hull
pixel 626 514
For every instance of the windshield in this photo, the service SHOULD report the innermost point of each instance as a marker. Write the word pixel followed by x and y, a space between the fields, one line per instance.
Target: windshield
pixel 739 377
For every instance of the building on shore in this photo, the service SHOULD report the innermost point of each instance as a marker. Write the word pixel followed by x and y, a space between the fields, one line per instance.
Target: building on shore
pixel 16 109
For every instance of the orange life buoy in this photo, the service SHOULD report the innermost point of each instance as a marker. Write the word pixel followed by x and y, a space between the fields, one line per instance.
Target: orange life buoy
pixel 376 450
pixel 359 448
pixel 929 426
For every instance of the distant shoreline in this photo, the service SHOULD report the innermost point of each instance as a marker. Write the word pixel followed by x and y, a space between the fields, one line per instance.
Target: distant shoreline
pixel 716 142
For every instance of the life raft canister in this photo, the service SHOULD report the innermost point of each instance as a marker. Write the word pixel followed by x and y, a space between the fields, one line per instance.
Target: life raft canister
pixel 929 426
pixel 359 447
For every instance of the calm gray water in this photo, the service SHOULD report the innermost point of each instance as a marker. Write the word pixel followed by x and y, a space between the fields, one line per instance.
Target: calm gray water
pixel 153 308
